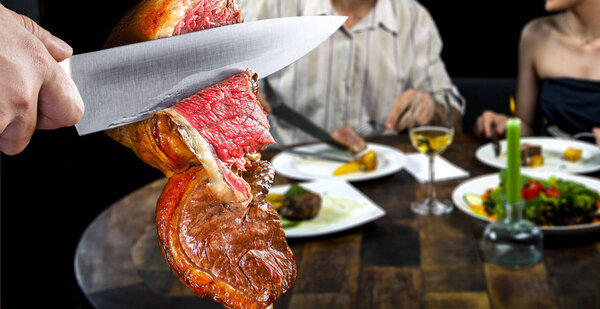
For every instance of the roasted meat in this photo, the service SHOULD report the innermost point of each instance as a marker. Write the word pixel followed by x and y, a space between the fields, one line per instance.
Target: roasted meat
pixel 155 19
pixel 215 229
pixel 233 253
pixel 349 138
pixel 215 127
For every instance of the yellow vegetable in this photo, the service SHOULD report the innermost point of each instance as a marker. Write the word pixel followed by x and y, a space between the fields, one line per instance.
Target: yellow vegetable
pixel 276 200
pixel 536 160
pixel 573 154
pixel 369 161
pixel 347 168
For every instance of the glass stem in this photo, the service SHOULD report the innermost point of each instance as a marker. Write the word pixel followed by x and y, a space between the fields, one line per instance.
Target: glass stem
pixel 431 189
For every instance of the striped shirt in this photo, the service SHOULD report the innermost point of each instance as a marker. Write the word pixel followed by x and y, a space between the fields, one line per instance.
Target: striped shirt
pixel 354 77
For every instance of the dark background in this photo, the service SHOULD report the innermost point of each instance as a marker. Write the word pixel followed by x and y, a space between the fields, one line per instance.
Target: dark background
pixel 61 182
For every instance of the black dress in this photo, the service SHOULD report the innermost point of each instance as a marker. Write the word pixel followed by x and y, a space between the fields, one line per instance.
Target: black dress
pixel 571 104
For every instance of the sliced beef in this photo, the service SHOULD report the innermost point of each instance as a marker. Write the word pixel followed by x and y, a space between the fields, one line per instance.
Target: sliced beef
pixel 209 14
pixel 233 253
pixel 215 127
pixel 349 138
pixel 228 117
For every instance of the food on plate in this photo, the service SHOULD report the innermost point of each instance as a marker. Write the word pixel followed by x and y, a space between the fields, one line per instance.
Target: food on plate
pixel 368 161
pixel 349 138
pixel 300 204
pixel 531 155
pixel 276 200
pixel 347 168
pixel 548 202
pixel 215 228
pixel 573 154
pixel 365 163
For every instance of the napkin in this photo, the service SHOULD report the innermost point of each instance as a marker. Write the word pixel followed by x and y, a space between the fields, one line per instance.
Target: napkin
pixel 417 164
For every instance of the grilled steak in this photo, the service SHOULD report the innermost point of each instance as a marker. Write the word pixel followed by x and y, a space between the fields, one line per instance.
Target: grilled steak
pixel 233 253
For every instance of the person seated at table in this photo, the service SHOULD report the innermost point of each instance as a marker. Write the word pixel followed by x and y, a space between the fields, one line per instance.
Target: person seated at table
pixel 559 73
pixel 365 74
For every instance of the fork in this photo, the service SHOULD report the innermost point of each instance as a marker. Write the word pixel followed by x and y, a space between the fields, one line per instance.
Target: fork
pixel 557 132
pixel 369 128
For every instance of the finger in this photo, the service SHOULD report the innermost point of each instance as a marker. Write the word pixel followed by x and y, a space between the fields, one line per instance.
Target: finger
pixel 404 122
pixel 596 131
pixel 500 126
pixel 15 137
pixel 58 48
pixel 399 108
pixel 426 108
pixel 479 127
pixel 59 102
pixel 488 119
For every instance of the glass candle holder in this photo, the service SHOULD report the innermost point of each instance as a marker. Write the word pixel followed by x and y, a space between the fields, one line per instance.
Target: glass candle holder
pixel 512 241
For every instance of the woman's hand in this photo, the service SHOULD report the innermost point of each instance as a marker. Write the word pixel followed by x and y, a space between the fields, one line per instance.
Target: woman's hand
pixel 485 122
pixel 596 132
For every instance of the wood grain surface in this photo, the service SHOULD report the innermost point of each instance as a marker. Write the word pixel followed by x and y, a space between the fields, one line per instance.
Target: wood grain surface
pixel 399 261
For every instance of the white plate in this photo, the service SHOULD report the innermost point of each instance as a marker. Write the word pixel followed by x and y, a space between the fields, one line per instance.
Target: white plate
pixel 343 208
pixel 479 184
pixel 552 150
pixel 389 161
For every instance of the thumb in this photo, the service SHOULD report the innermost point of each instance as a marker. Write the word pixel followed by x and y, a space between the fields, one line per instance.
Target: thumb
pixel 58 48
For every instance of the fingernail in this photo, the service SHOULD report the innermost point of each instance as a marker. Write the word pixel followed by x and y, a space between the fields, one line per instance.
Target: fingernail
pixel 62 44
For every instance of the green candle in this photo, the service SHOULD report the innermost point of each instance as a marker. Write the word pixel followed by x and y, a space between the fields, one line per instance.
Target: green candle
pixel 513 160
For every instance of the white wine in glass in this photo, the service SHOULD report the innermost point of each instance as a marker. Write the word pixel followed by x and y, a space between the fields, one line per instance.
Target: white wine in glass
pixel 430 136
pixel 431 140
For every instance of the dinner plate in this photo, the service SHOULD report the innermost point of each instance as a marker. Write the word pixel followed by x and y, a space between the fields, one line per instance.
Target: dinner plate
pixel 478 185
pixel 389 161
pixel 343 207
pixel 552 150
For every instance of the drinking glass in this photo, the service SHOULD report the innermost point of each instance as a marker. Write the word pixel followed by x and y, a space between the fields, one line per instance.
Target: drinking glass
pixel 430 135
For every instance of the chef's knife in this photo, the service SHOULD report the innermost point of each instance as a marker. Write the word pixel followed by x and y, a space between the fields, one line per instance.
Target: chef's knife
pixel 282 111
pixel 129 83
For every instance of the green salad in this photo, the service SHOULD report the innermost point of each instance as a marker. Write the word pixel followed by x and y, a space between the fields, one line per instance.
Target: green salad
pixel 549 202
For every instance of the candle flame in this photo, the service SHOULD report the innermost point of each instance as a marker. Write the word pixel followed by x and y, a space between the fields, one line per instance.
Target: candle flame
pixel 512 106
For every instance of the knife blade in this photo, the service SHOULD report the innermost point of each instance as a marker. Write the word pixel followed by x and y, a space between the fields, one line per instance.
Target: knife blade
pixel 129 83
pixel 495 141
pixel 284 112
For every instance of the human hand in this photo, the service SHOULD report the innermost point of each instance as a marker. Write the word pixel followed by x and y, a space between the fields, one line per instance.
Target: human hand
pixel 484 123
pixel 399 117
pixel 596 132
pixel 35 92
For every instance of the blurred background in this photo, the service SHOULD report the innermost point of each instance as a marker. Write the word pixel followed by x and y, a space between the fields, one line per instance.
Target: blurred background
pixel 61 182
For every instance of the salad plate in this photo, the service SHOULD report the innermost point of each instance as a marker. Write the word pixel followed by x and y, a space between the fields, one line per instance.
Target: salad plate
pixel 478 185
pixel 290 165
pixel 343 207
pixel 552 151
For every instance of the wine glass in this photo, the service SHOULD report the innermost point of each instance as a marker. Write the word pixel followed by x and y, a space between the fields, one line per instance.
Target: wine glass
pixel 431 132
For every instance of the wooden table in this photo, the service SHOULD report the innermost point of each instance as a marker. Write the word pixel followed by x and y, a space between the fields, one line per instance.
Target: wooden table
pixel 399 261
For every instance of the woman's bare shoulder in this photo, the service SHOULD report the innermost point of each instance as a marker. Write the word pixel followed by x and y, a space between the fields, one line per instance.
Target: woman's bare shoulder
pixel 540 29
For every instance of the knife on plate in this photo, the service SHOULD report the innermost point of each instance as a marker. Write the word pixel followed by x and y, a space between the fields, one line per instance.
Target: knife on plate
pixel 129 83
pixel 282 111
pixel 495 141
